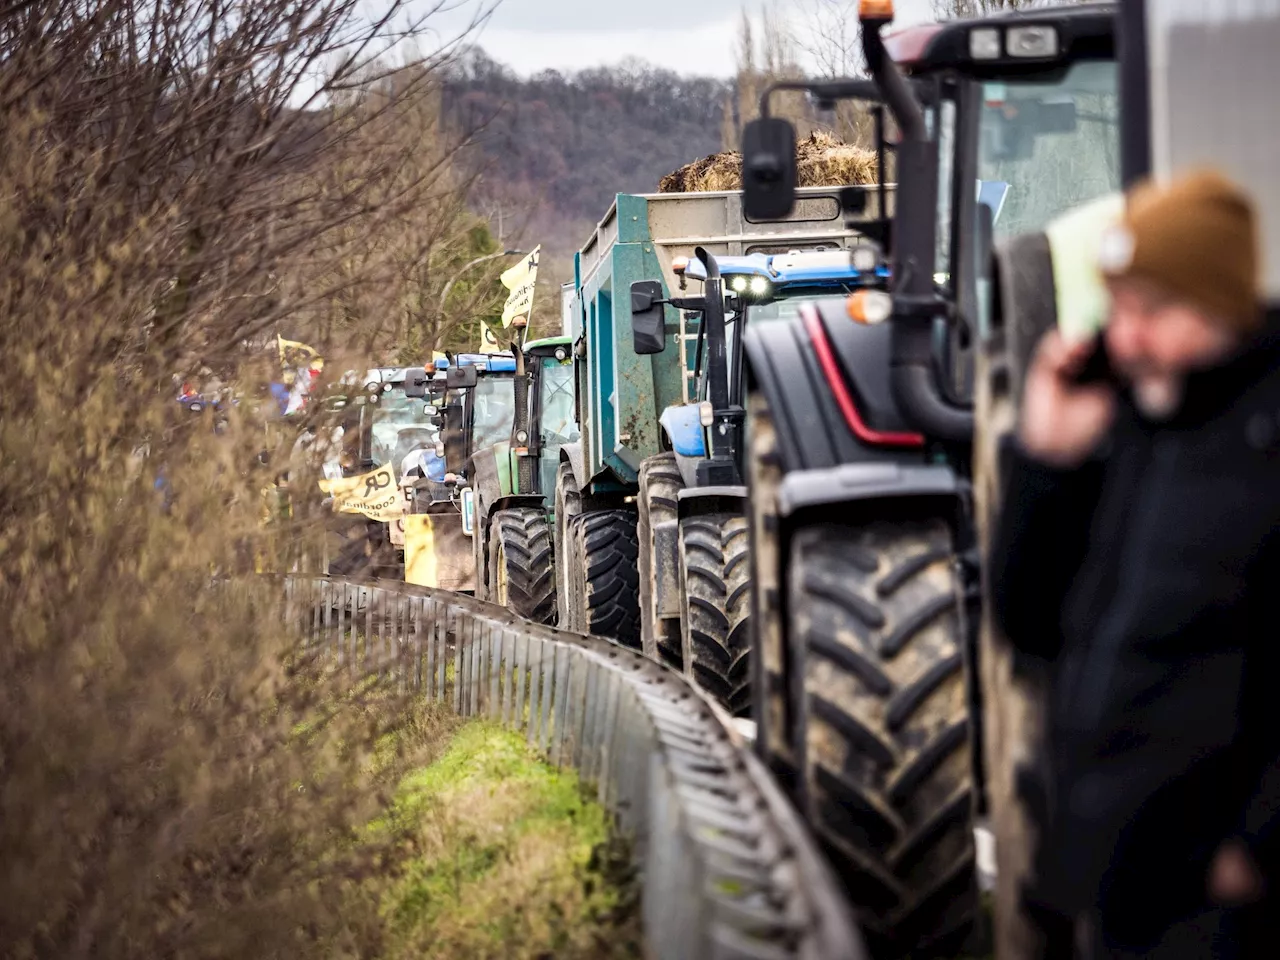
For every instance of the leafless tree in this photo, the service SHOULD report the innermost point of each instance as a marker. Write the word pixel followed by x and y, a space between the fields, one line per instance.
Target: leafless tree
pixel 179 180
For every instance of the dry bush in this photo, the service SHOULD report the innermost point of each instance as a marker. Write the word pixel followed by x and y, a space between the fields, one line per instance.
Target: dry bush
pixel 176 778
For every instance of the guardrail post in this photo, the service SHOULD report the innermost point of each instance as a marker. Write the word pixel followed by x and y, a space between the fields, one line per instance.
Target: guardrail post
pixel 344 592
pixel 560 705
pixel 413 645
pixel 429 651
pixel 546 685
pixel 591 723
pixel 440 645
pixel 317 598
pixel 367 638
pixel 467 636
pixel 477 685
pixel 493 709
pixel 519 646
pixel 607 789
pixel 384 634
pixel 326 615
pixel 452 616
pixel 339 595
pixel 508 663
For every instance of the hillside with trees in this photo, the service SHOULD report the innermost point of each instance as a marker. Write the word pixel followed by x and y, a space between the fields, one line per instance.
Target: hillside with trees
pixel 552 150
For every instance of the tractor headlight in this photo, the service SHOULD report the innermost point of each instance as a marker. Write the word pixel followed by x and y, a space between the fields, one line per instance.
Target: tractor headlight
pixel 759 286
pixel 738 284
pixel 984 43
pixel 1031 42
pixel 522 436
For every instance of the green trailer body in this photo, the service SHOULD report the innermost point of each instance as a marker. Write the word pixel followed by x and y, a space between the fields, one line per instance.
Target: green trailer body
pixel 621 395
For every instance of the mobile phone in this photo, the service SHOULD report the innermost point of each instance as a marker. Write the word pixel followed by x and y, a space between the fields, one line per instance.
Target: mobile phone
pixel 1097 369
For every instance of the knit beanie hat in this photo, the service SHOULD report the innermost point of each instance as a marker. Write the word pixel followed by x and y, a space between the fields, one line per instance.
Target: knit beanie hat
pixel 1197 239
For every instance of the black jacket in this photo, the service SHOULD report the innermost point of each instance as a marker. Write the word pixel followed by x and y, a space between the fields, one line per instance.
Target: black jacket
pixel 1147 583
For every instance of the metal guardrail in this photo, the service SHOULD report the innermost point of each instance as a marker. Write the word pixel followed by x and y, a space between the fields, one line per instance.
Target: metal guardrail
pixel 727 869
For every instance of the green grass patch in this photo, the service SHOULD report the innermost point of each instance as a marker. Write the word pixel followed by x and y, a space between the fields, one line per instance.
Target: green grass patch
pixel 510 859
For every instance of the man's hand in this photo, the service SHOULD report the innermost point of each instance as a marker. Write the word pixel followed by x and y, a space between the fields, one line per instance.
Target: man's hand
pixel 1234 878
pixel 1062 421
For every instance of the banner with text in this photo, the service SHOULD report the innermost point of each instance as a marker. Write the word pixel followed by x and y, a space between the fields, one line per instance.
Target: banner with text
pixel 521 280
pixel 373 494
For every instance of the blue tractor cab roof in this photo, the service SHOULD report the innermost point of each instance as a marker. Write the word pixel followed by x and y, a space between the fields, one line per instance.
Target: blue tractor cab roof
pixel 806 268
pixel 493 362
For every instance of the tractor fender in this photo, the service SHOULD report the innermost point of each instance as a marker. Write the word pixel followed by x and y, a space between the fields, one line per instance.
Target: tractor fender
pixel 690 502
pixel 693 501
pixel 682 426
pixel 515 500
pixel 486 484
pixel 572 454
pixel 782 363
pixel 807 490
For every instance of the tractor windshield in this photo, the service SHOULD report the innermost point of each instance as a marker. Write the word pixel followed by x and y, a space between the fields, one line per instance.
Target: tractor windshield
pixel 1055 143
pixel 494 411
pixel 398 425
pixel 556 409
pixel 556 402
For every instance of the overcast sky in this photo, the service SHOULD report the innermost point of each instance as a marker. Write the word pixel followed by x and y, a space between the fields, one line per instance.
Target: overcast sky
pixel 688 36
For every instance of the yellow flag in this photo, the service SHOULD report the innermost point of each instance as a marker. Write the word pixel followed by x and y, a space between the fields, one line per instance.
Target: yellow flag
pixel 373 494
pixel 295 354
pixel 521 281
pixel 488 342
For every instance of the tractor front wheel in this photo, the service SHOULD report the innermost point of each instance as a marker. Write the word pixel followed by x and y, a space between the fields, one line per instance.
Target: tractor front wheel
pixel 715 607
pixel 521 574
pixel 883 731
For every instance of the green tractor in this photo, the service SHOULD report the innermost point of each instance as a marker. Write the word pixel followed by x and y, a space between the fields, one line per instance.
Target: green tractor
pixel 512 480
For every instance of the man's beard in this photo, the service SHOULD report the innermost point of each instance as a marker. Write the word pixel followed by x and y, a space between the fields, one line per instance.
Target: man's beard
pixel 1157 397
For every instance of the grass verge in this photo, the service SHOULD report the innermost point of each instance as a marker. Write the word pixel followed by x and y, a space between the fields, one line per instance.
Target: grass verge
pixel 508 859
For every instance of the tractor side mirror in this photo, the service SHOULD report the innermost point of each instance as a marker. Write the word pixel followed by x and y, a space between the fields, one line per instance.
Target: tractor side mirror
pixel 461 378
pixel 648 320
pixel 768 169
pixel 415 383
pixel 1056 116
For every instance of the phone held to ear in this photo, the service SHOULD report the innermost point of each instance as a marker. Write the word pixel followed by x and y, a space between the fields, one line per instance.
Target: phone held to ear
pixel 1096 369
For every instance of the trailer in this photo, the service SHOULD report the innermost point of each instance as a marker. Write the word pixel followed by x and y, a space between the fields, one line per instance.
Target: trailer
pixel 650 534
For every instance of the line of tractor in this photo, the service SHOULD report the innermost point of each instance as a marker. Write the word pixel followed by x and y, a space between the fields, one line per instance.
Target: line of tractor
pixel 764 448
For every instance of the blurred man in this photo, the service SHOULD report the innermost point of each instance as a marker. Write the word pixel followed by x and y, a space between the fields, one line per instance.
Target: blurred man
pixel 1138 561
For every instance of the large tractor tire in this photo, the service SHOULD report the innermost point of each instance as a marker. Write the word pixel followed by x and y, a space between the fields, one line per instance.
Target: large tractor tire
pixel 520 574
pixel 1013 713
pixel 605 578
pixel 715 607
pixel 568 506
pixel 883 731
pixel 768 659
pixel 660 483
